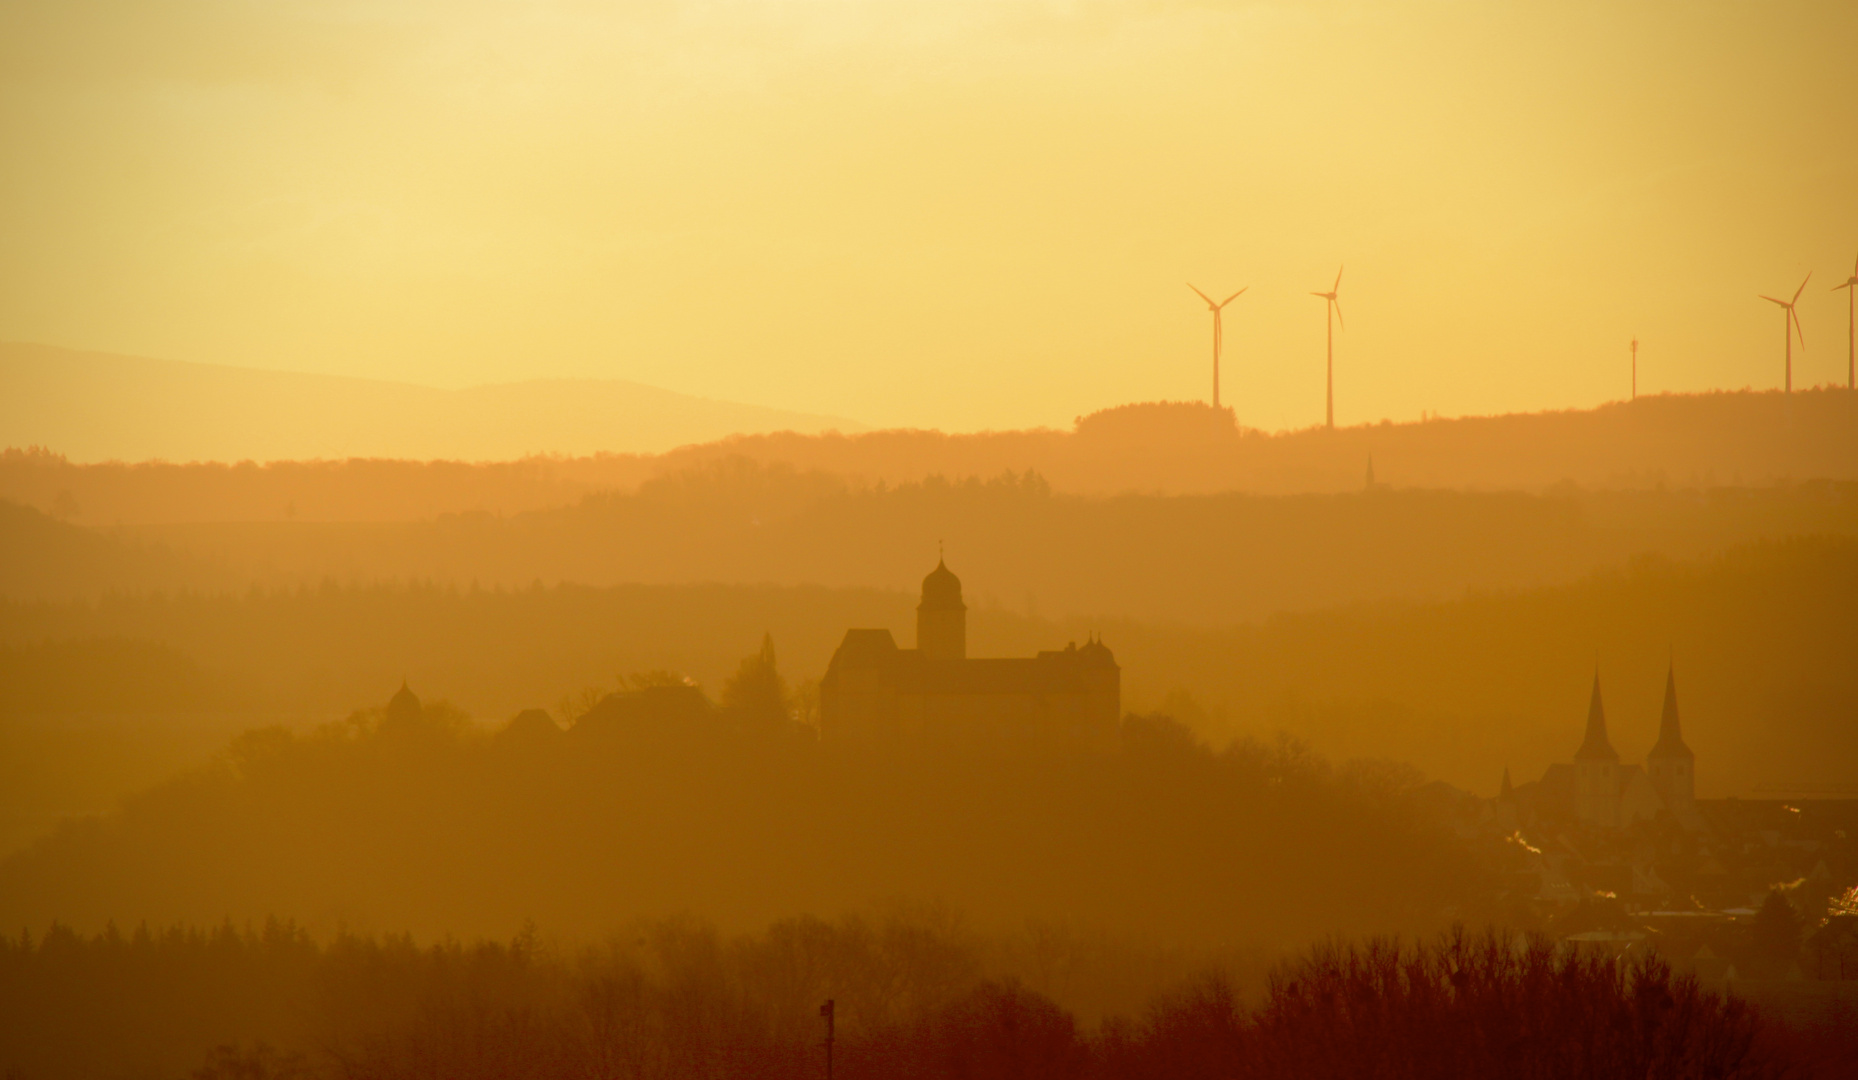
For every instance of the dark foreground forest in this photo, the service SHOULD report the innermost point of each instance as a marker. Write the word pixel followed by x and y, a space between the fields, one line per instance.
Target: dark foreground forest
pixel 914 996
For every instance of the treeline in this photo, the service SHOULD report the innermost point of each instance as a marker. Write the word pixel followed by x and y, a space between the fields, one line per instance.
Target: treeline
pixel 912 997
pixel 657 800
pixel 1172 448
pixel 1020 546
pixel 353 489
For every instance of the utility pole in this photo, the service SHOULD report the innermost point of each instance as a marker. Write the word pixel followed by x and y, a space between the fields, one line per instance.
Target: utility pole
pixel 826 1011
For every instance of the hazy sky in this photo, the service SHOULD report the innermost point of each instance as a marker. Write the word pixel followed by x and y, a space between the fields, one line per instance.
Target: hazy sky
pixel 946 213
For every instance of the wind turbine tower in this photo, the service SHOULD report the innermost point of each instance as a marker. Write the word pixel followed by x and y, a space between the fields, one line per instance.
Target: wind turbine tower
pixel 1790 325
pixel 1332 310
pixel 1218 331
pixel 1851 327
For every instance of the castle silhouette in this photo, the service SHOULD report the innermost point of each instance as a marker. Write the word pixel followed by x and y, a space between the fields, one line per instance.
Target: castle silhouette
pixel 872 688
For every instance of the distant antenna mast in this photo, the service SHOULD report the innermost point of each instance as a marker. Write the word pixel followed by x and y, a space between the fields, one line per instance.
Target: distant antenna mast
pixel 1635 369
pixel 1218 331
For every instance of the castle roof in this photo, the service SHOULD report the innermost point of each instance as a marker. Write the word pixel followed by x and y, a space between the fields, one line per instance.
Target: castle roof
pixel 1670 738
pixel 1596 746
pixel 909 671
pixel 942 589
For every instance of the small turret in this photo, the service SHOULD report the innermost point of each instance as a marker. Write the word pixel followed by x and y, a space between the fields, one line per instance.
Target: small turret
pixel 403 709
pixel 1096 654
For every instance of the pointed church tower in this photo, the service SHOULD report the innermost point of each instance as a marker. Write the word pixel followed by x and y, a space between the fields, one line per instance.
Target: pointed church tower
pixel 1596 768
pixel 1671 766
pixel 1506 813
pixel 942 618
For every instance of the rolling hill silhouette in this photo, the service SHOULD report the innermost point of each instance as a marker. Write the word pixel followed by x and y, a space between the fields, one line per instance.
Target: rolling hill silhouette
pixel 1699 441
pixel 98 406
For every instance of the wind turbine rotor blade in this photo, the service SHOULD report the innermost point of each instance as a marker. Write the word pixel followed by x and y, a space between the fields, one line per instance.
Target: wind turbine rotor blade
pixel 1771 300
pixel 1233 297
pixel 1339 321
pixel 1338 279
pixel 1802 288
pixel 1798 330
pixel 1200 294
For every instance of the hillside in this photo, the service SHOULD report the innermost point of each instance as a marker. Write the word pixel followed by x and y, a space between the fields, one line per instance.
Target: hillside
pixel 1695 441
pixel 1762 639
pixel 41 556
pixel 1204 559
pixel 1692 440
pixel 100 407
pixel 444 827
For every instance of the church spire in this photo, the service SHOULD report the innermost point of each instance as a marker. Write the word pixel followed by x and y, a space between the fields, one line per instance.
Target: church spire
pixel 1670 737
pixel 1596 745
pixel 1506 793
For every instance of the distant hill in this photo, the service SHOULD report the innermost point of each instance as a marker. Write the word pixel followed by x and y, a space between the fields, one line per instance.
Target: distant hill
pixel 100 407
pixel 41 557
pixel 1690 440
pixel 1762 639
pixel 1680 441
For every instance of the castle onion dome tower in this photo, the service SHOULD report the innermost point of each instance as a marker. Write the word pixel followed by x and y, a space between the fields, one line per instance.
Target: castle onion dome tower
pixel 942 618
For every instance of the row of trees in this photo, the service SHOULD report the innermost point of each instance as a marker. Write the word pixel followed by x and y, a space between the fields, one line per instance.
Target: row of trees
pixel 755 692
pixel 917 997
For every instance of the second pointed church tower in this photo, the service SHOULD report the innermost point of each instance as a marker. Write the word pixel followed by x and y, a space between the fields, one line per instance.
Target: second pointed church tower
pixel 1671 767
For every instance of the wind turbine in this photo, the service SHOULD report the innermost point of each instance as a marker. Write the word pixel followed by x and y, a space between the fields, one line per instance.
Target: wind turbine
pixel 1331 305
pixel 1790 324
pixel 1218 332
pixel 1851 327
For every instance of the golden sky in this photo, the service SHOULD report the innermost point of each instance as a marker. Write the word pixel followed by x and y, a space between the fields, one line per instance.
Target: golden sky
pixel 946 213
